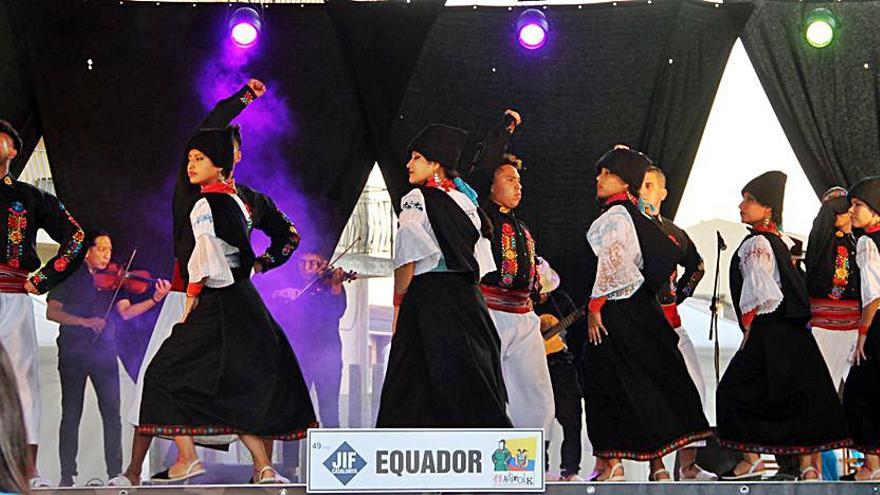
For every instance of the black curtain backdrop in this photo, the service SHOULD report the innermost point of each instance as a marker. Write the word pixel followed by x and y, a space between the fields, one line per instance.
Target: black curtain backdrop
pixel 17 91
pixel 351 83
pixel 827 100
pixel 602 78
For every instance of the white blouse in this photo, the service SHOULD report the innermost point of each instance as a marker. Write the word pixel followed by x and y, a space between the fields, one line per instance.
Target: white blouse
pixel 615 242
pixel 762 289
pixel 868 259
pixel 417 243
pixel 212 258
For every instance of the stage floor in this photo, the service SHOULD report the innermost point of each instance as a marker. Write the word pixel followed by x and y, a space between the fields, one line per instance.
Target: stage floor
pixel 568 488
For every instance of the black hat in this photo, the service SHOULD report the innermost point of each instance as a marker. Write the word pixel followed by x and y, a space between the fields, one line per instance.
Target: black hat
pixel 440 143
pixel 626 163
pixel 769 190
pixel 6 128
pixel 216 144
pixel 868 190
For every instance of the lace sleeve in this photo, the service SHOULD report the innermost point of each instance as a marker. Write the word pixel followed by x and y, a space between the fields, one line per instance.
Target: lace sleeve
pixel 761 290
pixel 208 261
pixel 614 240
pixel 415 241
pixel 868 259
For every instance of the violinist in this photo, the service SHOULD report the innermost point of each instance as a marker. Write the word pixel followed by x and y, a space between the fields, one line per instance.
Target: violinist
pixel 310 314
pixel 87 346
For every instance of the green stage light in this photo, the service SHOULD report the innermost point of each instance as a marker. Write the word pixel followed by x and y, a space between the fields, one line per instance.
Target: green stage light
pixel 820 28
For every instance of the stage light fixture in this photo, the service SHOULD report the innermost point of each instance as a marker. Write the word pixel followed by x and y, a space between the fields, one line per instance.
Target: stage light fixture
pixel 820 28
pixel 244 26
pixel 532 29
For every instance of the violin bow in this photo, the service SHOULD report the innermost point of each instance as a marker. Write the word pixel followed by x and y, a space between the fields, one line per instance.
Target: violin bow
pixel 329 265
pixel 124 274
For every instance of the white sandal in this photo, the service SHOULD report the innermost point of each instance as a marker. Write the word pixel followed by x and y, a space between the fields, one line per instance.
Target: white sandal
pixel 702 474
pixel 615 477
pixel 653 476
pixel 268 480
pixel 804 471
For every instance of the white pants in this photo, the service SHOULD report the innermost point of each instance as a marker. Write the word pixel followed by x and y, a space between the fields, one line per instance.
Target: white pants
pixel 18 335
pixel 837 347
pixel 686 347
pixel 524 366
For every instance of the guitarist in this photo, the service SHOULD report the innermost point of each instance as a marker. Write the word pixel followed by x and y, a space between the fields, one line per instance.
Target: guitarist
pixel 652 194
pixel 556 305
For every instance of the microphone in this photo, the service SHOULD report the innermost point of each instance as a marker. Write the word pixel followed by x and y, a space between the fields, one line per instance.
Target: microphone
pixel 721 243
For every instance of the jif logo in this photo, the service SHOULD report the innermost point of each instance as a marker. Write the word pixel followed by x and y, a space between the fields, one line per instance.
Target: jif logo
pixel 345 463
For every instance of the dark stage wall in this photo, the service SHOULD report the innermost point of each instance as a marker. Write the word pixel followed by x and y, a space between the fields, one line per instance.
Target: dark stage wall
pixel 351 83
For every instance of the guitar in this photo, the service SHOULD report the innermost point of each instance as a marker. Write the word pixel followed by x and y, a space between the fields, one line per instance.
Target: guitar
pixel 553 330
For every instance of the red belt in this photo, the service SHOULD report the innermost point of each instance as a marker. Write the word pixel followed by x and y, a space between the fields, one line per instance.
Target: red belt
pixel 177 283
pixel 506 300
pixel 833 314
pixel 12 279
pixel 672 316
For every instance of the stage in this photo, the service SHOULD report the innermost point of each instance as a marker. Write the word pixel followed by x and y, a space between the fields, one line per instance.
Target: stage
pixel 567 488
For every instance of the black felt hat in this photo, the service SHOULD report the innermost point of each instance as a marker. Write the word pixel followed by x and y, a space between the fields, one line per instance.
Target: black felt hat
pixel 216 144
pixel 769 190
pixel 440 143
pixel 626 163
pixel 868 190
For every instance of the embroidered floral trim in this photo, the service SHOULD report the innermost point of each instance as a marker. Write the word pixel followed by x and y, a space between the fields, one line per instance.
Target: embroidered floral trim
pixel 178 430
pixel 795 449
pixel 509 265
pixel 413 205
pixel 247 98
pixel 16 225
pixel 840 276
pixel 654 454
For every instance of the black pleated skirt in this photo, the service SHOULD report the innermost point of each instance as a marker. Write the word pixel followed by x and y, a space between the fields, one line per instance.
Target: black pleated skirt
pixel 228 369
pixel 776 395
pixel 640 400
pixel 444 369
pixel 861 396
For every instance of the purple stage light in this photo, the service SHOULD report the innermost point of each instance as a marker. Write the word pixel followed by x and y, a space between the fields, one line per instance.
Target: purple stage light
pixel 532 28
pixel 244 26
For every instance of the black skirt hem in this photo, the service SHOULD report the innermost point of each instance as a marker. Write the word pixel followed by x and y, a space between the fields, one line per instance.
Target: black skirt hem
pixel 866 449
pixel 786 450
pixel 203 431
pixel 655 454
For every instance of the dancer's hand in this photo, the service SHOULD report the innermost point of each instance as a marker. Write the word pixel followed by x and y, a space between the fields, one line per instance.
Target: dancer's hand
pixel 859 355
pixel 746 334
pixel 191 303
pixel 595 327
pixel 517 119
pixel 31 288
pixel 257 87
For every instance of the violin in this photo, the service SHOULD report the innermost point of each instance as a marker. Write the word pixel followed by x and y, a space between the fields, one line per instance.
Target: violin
pixel 327 275
pixel 115 277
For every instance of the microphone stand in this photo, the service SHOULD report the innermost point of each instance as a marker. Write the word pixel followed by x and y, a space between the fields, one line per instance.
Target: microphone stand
pixel 713 306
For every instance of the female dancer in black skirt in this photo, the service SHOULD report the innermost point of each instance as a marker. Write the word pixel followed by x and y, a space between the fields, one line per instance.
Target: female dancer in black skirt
pixel 227 368
pixel 640 400
pixel 776 395
pixel 444 369
pixel 861 394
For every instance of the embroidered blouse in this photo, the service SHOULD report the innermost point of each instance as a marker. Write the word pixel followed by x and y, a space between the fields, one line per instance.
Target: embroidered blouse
pixel 212 259
pixel 615 242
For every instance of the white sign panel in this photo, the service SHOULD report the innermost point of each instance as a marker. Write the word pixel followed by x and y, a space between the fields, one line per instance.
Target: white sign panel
pixel 410 460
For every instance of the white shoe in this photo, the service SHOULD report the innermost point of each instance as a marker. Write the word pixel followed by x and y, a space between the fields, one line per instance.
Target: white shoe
pixel 119 480
pixel 95 482
pixel 40 482
pixel 702 475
